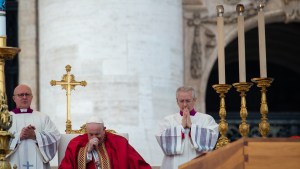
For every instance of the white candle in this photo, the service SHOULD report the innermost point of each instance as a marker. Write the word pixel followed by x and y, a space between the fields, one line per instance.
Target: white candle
pixel 241 43
pixel 2 18
pixel 220 40
pixel 262 42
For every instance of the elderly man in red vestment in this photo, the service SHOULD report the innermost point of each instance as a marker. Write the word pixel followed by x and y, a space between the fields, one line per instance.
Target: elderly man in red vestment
pixel 100 149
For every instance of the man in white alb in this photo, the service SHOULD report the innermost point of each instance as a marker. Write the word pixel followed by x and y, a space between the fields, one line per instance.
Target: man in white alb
pixel 36 138
pixel 184 135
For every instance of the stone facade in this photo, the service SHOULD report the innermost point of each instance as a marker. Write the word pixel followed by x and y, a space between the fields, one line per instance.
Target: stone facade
pixel 133 56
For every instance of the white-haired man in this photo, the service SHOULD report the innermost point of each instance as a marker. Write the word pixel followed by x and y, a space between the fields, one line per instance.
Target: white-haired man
pixel 101 149
pixel 184 135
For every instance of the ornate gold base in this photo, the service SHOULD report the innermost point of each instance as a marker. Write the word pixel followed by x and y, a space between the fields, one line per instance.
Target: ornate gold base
pixel 69 130
pixel 263 83
pixel 243 87
pixel 4 149
pixel 222 89
pixel 222 141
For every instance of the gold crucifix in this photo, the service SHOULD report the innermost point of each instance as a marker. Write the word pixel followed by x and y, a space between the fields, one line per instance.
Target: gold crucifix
pixel 68 83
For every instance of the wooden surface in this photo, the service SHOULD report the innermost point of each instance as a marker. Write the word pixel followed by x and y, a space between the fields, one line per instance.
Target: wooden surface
pixel 251 153
pixel 230 156
pixel 272 153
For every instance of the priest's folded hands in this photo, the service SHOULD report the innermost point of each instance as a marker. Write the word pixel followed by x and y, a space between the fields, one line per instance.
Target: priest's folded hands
pixel 28 133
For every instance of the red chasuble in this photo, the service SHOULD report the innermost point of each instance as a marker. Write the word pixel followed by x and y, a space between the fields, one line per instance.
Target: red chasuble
pixel 121 154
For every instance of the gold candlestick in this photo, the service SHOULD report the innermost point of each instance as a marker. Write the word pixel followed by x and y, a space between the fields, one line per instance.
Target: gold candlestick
pixel 222 89
pixel 263 83
pixel 6 119
pixel 243 87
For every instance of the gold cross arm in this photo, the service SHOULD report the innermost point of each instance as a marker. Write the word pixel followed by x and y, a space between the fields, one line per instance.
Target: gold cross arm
pixel 65 84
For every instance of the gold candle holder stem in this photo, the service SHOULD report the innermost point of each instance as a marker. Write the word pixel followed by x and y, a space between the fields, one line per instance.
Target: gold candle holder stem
pixel 263 83
pixel 222 89
pixel 6 53
pixel 243 88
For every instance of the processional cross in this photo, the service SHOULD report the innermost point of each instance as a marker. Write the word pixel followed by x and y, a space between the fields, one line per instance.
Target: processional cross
pixel 68 83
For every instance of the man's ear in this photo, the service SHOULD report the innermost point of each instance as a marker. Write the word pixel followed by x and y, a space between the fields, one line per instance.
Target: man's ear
pixel 14 98
pixel 177 102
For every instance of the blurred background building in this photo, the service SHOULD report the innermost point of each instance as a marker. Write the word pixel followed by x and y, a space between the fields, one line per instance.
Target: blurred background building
pixel 134 54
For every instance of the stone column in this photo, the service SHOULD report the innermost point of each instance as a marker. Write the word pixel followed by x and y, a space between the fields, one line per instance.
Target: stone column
pixel 130 53
pixel 28 57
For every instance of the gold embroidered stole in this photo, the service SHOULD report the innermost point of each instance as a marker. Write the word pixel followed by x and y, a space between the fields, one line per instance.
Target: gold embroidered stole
pixel 104 159
pixel 102 153
pixel 81 158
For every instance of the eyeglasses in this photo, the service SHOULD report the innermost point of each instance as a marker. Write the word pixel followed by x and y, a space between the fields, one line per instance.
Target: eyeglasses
pixel 23 94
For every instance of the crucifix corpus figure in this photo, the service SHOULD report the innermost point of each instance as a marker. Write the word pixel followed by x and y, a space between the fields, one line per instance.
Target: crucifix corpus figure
pixel 68 83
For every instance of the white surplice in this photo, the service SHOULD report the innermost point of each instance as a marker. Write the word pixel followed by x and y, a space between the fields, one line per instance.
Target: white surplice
pixel 33 154
pixel 179 149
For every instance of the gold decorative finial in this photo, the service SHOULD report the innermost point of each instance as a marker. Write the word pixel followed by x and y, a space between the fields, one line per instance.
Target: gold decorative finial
pixel 240 9
pixel 220 10
pixel 260 6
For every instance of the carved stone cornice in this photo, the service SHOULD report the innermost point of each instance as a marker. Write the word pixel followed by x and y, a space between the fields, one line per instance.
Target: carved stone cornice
pixel 192 2
pixel 291 10
pixel 199 43
pixel 288 1
pixel 231 2
pixel 196 54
